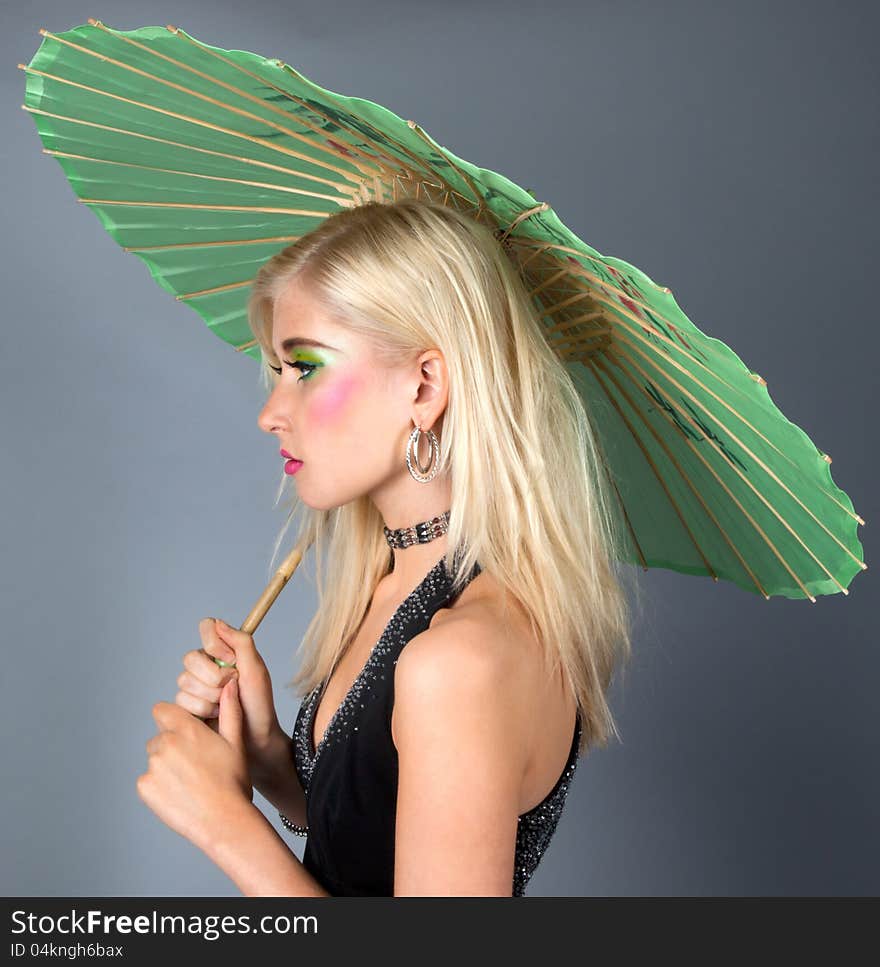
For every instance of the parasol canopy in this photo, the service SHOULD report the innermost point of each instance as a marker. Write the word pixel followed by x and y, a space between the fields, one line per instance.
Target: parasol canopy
pixel 205 162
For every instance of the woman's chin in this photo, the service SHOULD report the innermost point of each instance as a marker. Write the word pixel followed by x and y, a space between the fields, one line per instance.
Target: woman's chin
pixel 320 505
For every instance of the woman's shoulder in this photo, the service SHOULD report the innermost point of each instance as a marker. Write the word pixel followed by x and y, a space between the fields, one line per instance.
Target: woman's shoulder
pixel 484 609
pixel 487 637
pixel 479 637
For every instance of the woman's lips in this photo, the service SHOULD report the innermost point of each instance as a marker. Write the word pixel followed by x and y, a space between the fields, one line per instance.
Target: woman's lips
pixel 292 466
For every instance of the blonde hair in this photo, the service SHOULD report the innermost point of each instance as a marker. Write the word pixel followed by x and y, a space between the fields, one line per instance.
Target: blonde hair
pixel 529 497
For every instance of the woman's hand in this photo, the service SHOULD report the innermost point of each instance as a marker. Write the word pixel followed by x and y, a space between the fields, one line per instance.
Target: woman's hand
pixel 197 778
pixel 203 679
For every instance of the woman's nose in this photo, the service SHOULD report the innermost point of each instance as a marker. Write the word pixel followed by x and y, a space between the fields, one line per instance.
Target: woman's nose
pixel 269 418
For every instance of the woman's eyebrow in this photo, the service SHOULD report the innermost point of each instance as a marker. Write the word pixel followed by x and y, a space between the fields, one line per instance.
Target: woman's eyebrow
pixel 302 341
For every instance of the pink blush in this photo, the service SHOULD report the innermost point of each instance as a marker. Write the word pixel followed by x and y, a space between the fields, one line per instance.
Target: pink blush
pixel 330 403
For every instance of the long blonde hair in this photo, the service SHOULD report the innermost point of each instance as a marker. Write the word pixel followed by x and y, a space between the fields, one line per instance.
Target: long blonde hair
pixel 529 496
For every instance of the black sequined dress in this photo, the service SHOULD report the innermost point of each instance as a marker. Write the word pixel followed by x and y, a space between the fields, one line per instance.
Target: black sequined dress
pixel 350 779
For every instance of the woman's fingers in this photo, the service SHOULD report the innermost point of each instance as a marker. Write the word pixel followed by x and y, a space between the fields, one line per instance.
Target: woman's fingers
pixel 187 682
pixel 212 643
pixel 206 670
pixel 198 706
pixel 201 683
pixel 202 680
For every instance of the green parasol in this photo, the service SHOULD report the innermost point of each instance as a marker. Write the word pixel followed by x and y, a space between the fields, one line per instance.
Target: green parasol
pixel 205 162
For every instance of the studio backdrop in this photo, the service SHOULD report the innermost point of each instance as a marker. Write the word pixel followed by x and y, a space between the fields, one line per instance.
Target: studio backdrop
pixel 688 173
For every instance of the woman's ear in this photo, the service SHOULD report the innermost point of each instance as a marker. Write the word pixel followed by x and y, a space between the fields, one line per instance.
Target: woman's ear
pixel 432 393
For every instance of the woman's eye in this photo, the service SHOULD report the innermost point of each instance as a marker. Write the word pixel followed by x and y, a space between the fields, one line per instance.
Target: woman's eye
pixel 305 368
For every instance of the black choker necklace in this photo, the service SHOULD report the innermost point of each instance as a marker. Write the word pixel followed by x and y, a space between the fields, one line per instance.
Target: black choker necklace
pixel 421 533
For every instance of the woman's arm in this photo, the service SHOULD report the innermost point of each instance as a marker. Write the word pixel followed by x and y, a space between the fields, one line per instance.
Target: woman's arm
pixel 278 782
pixel 252 854
pixel 461 762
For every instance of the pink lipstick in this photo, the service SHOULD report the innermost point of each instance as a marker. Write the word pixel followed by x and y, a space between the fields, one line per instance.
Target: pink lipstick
pixel 292 464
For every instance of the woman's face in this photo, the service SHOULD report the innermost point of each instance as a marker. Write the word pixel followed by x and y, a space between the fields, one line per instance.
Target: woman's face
pixel 336 409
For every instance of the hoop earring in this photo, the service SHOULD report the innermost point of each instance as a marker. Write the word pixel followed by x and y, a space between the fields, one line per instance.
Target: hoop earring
pixel 422 474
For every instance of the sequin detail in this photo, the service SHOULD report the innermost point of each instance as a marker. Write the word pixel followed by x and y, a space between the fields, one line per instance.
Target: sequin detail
pixel 535 828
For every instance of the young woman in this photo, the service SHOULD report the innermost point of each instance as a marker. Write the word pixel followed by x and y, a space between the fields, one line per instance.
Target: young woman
pixel 470 617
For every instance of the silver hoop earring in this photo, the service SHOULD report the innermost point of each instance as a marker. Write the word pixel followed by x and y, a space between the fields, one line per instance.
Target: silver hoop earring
pixel 422 474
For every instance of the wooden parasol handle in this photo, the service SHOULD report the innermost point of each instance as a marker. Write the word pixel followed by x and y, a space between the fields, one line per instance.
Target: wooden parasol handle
pixel 267 598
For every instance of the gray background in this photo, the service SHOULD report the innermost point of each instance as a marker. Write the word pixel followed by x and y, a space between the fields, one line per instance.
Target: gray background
pixel 725 149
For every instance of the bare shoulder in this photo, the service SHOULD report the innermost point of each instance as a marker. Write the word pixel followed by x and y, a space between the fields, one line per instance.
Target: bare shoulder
pixel 466 646
pixel 485 607
pixel 477 657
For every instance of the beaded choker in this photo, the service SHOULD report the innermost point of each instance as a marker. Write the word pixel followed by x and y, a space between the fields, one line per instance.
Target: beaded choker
pixel 420 533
